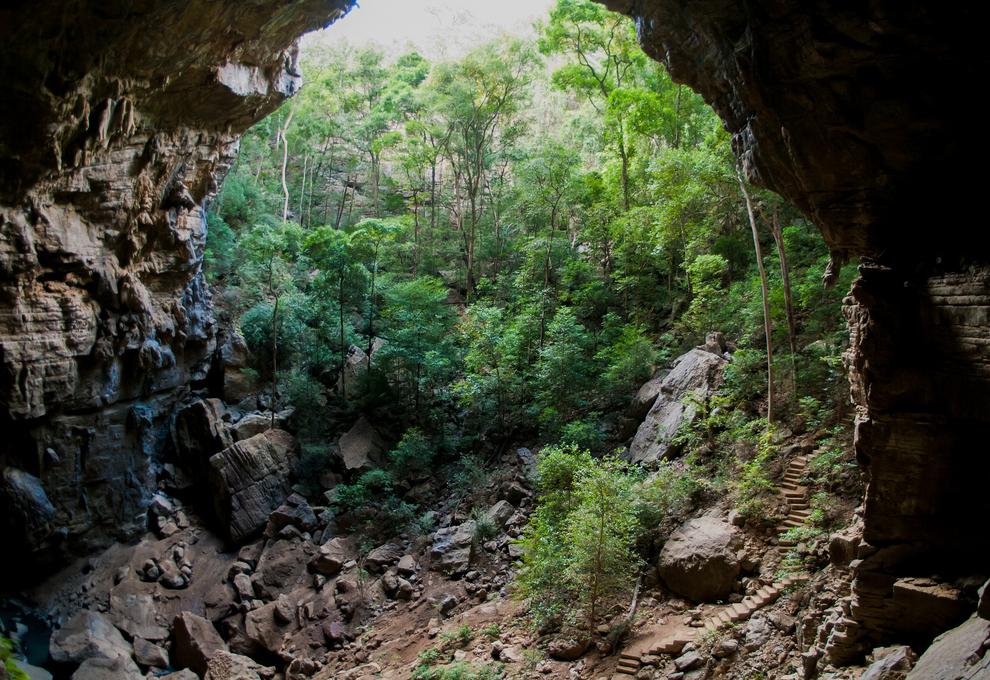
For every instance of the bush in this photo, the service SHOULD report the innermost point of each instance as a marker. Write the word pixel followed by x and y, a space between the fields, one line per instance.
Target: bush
pixel 753 485
pixel 484 526
pixel 412 455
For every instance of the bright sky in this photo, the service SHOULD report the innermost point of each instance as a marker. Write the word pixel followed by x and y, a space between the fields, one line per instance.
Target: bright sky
pixel 439 29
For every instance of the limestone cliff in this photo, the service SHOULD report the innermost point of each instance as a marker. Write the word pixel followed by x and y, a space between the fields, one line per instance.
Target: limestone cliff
pixel 847 110
pixel 119 121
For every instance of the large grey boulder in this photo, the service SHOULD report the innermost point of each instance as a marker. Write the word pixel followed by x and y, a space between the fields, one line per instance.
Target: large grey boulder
pixel 361 447
pixel 451 550
pixel 890 664
pixel 695 376
pixel 699 560
pixel 646 396
pixel 87 635
pixel 250 480
pixel 962 653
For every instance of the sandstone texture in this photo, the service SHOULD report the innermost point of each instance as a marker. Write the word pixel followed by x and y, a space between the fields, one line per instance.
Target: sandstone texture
pixel 250 480
pixel 119 123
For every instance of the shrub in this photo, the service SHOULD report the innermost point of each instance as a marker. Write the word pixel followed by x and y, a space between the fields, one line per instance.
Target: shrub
pixel 753 485
pixel 578 544
pixel 413 453
pixel 484 526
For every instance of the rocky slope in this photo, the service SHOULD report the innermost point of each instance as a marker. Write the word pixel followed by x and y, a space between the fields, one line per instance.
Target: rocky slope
pixel 119 122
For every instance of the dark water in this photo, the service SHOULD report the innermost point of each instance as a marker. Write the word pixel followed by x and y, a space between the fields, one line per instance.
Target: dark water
pixel 29 631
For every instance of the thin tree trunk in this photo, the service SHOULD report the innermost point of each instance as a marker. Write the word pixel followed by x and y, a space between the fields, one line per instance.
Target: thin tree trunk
pixel 302 192
pixel 274 358
pixel 340 208
pixel 285 162
pixel 786 278
pixel 766 297
pixel 343 349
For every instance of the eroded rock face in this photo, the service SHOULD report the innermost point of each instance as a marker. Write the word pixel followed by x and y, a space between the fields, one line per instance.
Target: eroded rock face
pixel 250 480
pixel 118 124
pixel 823 105
pixel 692 380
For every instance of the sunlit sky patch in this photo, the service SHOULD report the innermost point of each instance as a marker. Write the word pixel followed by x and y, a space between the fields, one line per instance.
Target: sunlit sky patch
pixel 439 29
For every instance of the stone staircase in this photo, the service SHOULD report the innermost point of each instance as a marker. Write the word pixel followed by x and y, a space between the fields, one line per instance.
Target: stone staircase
pixel 673 640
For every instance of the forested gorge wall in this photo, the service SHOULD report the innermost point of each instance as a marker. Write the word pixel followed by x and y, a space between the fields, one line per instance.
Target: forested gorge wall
pixel 118 123
pixel 119 120
pixel 842 110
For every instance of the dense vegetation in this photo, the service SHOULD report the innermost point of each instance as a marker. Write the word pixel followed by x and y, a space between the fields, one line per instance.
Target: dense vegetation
pixel 518 239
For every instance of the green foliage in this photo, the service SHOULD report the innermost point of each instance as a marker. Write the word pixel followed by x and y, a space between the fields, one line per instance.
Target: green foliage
pixel 413 454
pixel 484 526
pixel 7 659
pixel 578 543
pixel 753 485
pixel 460 671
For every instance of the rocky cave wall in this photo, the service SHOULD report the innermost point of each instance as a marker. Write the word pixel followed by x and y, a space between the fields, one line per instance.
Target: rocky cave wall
pixel 856 113
pixel 119 119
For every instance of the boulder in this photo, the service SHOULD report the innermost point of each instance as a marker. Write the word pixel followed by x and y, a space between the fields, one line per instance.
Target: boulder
pixel 265 629
pixel 331 557
pixel 646 396
pixel 451 549
pixel 699 560
pixel 250 479
pixel 962 653
pixel 383 556
pixel 295 511
pixel 87 635
pixel 132 610
pixel 281 567
pixel 25 507
pixel 361 447
pixel 196 642
pixel 149 654
pixel 500 513
pixel 118 668
pixel 407 565
pixel 238 384
pixel 890 664
pixel 355 364
pixel 198 433
pixel 256 423
pixel 228 666
pixel 696 374
pixel 568 648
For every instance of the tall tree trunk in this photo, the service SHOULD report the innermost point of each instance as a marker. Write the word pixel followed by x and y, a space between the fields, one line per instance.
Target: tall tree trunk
pixel 766 297
pixel 274 359
pixel 785 276
pixel 343 349
pixel 285 162
pixel 302 191
pixel 624 156
pixel 340 208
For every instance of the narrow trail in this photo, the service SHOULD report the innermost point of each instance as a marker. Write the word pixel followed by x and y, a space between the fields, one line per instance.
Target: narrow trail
pixel 673 636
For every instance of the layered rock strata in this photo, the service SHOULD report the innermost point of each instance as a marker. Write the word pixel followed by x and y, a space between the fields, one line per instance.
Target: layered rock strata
pixel 842 110
pixel 119 123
